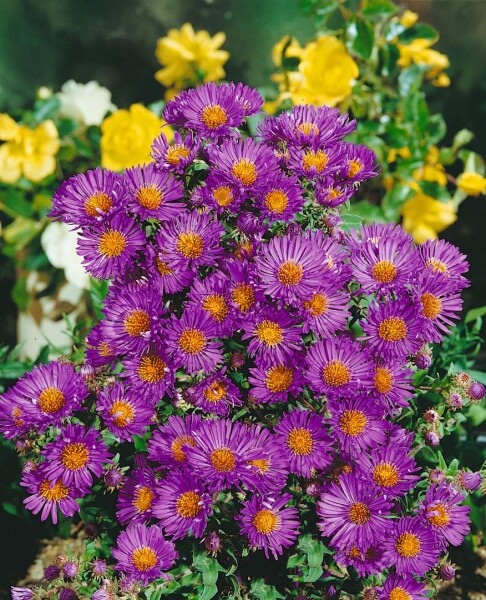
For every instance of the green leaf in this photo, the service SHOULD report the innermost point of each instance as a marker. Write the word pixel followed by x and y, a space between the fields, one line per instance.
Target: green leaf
pixel 476 415
pixel 434 189
pixel 15 201
pixel 398 137
pixel 367 212
pixel 410 80
pixel 379 8
pixel 394 199
pixel 10 508
pixel 46 108
pixel 20 295
pixel 475 313
pixel 21 232
pixel 478 376
pixel 462 137
pixel 360 38
pixel 419 31
pixel 436 128
pixel 314 551
pixel 209 568
pixel 351 221
pixel 259 589
pixel 415 110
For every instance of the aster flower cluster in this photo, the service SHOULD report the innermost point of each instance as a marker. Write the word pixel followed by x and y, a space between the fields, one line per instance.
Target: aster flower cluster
pixel 248 378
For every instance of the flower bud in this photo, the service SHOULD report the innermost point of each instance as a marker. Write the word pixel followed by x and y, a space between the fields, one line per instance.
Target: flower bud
pixel 455 400
pixel 212 542
pixel 423 359
pixel 248 223
pixel 476 391
pixel 70 569
pixel 436 476
pixel 431 416
pixel 113 478
pixel 470 481
pixel 87 371
pixel 447 572
pixel 332 592
pixel 51 572
pixel 99 567
pixel 432 438
pixel 463 380
pixel 126 585
pixel 370 593
pixel 21 593
pixel 332 220
pixel 313 489
pixel 294 230
pixel 237 360
pixel 67 594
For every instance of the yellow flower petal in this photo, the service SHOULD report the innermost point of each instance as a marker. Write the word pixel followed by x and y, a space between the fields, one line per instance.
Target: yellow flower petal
pixel 10 165
pixel 472 184
pixel 38 166
pixel 409 18
pixel 8 127
pixel 423 213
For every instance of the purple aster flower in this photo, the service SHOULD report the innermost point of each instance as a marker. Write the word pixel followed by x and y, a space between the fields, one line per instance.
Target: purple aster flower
pixel 48 494
pixel 183 506
pixel 306 441
pixel 189 341
pixel 273 334
pixel 219 195
pixel 274 381
pixel 193 239
pixel 357 423
pixel 244 163
pixel 98 352
pixel 16 416
pixel 282 199
pixel 172 113
pixel 216 394
pixel 87 198
pixel 242 287
pixel 438 306
pixel 268 525
pixel 271 468
pixel 353 513
pixel 151 193
pixel 325 311
pixel 289 269
pixel 410 547
pixel 142 553
pixel 149 374
pixel 366 562
pixel 392 384
pixel 314 161
pixel 386 266
pixel 359 164
pixel 169 443
pixel 376 234
pixel 212 110
pixel 54 392
pixel 133 319
pixel 108 248
pixel 211 295
pixel 21 593
pixel 393 328
pixel 249 98
pixel 330 194
pixel 338 366
pixel 166 272
pixel 76 455
pixel 136 498
pixel 442 257
pixel 391 468
pixel 175 157
pixel 443 513
pixel 335 257
pixel 396 587
pixel 124 412
pixel 221 454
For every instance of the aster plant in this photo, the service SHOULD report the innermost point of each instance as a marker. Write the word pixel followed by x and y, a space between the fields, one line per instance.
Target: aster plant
pixel 245 420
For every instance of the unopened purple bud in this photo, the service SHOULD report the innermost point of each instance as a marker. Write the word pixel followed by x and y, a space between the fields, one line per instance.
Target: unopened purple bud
pixel 338 234
pixel 314 489
pixel 70 569
pixel 476 391
pixel 436 476
pixel 22 445
pixel 87 371
pixel 99 567
pixel 432 438
pixel 470 481
pixel 67 594
pixel 29 466
pixel 51 572
pixel 113 478
pixel 212 542
pixel 447 572
pixel 91 530
pixel 21 593
pixel 370 593
pixel 332 592
pixel 332 220
pixel 431 416
pixel 294 230
pixel 423 360
pixel 463 379
pixel 237 360
pixel 248 223
pixel 126 585
pixel 455 400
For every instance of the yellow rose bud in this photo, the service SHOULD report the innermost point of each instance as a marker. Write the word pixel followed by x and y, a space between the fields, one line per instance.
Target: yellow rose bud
pixel 472 184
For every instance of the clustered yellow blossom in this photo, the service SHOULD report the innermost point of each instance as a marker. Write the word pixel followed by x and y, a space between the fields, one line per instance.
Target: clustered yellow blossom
pixel 419 52
pixel 432 170
pixel 27 152
pixel 471 184
pixel 190 57
pixel 424 217
pixel 127 137
pixel 325 74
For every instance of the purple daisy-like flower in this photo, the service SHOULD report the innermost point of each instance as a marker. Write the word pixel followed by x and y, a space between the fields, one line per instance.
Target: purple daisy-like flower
pixel 76 455
pixel 268 525
pixel 325 311
pixel 172 113
pixel 48 494
pixel 134 319
pixel 249 98
pixel 220 195
pixel 357 423
pixel 335 257
pixel 176 156
pixel 282 199
pixel 244 163
pixel 16 416
pixel 193 239
pixel 98 352
pixel 149 375
pixel 124 412
pixel 275 381
pixel 376 234
pixel 271 468
pixel 366 562
pixel 386 266
pixel 273 334
pixel 438 306
pixel 330 194
pixel 396 587
pixel 87 198
pixel 212 110
pixel 442 257
pixel 314 161
pixel 53 391
pixel 410 547
pixel 306 441
pixel 189 341
pixel 108 248
pixel 391 469
pixel 289 269
pixel 183 506
pixel 216 394
pixel 136 498
pixel 393 328
pixel 221 454
pixel 359 163
pixel 142 553
pixel 152 193
pixel 444 514
pixel 211 295
pixel 337 366
pixel 242 288
pixel 392 384
pixel 353 513
pixel 169 443
pixel 166 272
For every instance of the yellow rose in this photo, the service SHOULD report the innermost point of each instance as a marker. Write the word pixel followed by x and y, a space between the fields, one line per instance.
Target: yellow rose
pixel 184 53
pixel 29 152
pixel 424 217
pixel 326 73
pixel 471 184
pixel 127 137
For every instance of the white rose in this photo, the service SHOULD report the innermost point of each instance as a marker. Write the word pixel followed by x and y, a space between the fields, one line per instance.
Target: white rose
pixel 87 103
pixel 59 244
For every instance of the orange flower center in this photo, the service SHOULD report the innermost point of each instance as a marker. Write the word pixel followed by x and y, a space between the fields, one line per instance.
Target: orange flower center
pixel 300 441
pixel 243 296
pixel 315 160
pixel 355 166
pixel 352 422
pixel 432 305
pixel 317 305
pixel 151 368
pixel 223 195
pixel 51 400
pixel 215 392
pixel 53 493
pixel 383 380
pixel 354 552
pixel 188 505
pixel 386 475
pixel 144 558
pixel 216 307
pixel 392 329
pixel 245 171
pixel 336 373
pixel 190 245
pixel 74 456
pixel 260 463
pixel 112 243
pixel 438 515
pixel 398 593
pixel 276 201
pixel 192 341
pixel 359 513
pixel 214 116
pixel 176 446
pixel 123 413
pixel 437 265
pixel 279 378
pixel 136 323
pixel 97 204
pixel 175 153
pixel 269 333
pixel 163 267
pixel 408 545
pixel 149 197
pixel 143 499
pixel 384 271
pixel 223 460
pixel 290 273
pixel 265 521
pixel 307 128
